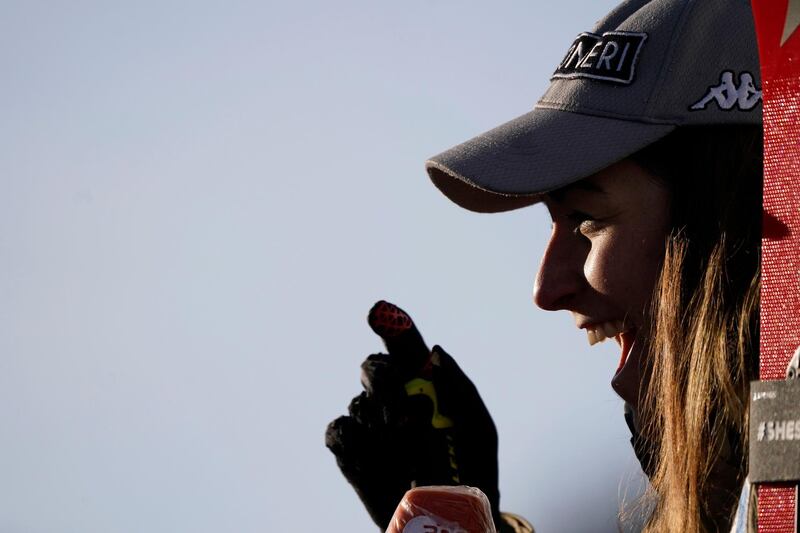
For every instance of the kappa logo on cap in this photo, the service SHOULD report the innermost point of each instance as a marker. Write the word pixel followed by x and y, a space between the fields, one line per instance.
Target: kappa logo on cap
pixel 610 57
pixel 728 96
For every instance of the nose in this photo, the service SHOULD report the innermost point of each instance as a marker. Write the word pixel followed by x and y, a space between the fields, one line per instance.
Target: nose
pixel 560 275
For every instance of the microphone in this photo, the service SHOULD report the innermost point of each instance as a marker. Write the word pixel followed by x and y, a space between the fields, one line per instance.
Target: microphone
pixel 436 458
pixel 440 509
pixel 402 339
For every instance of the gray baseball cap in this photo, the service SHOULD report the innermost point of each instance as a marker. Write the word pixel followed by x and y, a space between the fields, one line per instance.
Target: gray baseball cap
pixel 647 68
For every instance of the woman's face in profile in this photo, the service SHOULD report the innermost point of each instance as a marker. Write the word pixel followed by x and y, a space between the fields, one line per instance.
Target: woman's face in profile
pixel 603 259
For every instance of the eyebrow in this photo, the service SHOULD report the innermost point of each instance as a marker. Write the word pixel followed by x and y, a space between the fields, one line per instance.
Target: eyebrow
pixel 582 185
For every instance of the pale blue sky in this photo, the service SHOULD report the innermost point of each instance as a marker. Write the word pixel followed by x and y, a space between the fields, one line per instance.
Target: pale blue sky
pixel 201 203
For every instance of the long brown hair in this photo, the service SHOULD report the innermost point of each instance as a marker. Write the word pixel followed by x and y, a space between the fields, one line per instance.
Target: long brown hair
pixel 703 350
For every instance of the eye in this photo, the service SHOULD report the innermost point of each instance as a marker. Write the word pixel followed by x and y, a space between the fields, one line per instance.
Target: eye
pixel 585 224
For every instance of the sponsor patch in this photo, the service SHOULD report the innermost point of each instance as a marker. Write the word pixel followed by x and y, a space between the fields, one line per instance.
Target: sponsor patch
pixel 609 57
pixel 774 431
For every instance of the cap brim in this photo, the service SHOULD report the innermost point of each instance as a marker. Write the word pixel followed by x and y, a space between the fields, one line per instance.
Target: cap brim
pixel 512 165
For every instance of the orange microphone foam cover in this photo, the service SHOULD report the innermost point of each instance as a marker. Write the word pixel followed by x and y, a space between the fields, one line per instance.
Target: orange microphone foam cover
pixel 443 509
pixel 401 337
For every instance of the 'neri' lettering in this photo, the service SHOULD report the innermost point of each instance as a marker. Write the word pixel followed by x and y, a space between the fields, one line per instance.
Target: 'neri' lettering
pixel 610 57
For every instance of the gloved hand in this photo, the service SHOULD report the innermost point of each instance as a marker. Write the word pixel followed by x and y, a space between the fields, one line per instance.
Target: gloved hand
pixel 388 443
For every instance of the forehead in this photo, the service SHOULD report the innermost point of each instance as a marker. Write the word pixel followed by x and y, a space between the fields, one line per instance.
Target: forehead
pixel 624 182
pixel 588 185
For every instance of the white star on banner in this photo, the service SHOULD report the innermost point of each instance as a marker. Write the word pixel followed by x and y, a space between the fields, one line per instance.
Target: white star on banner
pixel 792 19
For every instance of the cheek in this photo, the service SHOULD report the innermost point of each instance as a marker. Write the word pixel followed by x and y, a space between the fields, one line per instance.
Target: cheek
pixel 624 267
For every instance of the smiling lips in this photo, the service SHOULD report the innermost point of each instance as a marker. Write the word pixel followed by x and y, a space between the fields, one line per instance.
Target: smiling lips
pixel 606 330
pixel 616 330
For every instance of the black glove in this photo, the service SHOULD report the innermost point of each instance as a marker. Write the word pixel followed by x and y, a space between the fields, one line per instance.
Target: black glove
pixel 389 443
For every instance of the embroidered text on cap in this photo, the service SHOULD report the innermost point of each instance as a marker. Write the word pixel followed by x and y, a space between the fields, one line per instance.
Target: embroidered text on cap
pixel 610 57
